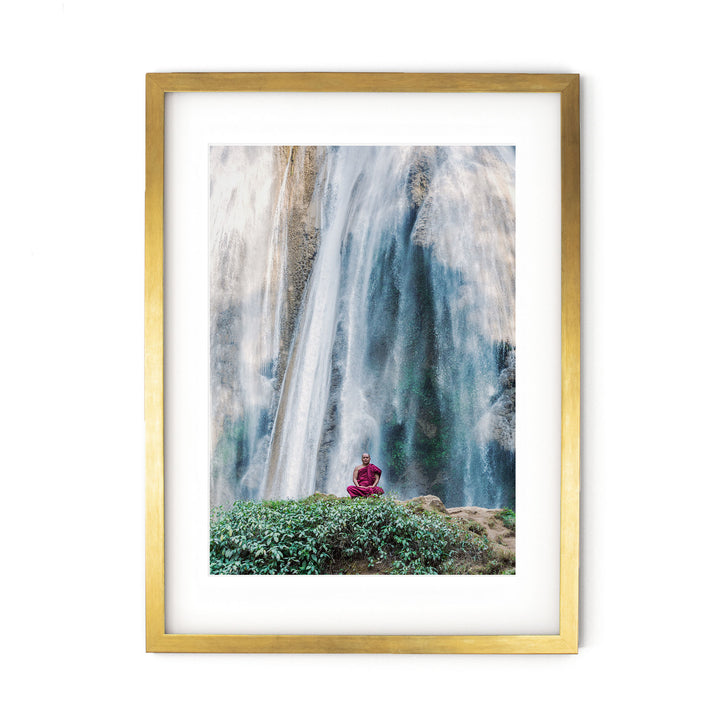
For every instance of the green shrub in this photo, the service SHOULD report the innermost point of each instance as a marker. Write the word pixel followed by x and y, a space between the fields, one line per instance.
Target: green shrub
pixel 328 535
pixel 507 517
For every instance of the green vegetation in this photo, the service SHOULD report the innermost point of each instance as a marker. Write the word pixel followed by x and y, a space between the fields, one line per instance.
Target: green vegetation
pixel 507 517
pixel 328 535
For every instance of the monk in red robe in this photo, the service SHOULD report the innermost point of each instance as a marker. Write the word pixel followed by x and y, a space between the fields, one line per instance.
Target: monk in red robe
pixel 365 479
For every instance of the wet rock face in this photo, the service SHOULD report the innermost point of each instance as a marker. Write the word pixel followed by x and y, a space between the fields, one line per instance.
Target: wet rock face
pixel 442 407
pixel 300 217
pixel 501 422
pixel 503 408
pixel 419 177
pixel 254 192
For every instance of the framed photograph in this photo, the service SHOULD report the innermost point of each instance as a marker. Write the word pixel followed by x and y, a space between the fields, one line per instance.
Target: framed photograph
pixel 362 364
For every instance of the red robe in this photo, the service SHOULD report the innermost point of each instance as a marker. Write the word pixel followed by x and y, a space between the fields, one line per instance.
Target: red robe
pixel 366 478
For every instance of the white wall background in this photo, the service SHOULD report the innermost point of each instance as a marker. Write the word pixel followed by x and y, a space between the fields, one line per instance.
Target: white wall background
pixel 71 383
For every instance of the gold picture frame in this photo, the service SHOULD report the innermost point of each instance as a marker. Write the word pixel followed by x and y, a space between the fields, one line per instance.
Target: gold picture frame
pixel 567 86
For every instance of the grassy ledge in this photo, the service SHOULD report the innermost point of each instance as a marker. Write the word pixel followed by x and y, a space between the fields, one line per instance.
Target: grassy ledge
pixel 326 535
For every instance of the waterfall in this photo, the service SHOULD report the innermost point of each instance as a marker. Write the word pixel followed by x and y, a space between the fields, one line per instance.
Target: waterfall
pixel 362 299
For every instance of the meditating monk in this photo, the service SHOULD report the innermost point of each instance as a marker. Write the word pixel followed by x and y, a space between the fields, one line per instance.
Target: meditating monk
pixel 365 479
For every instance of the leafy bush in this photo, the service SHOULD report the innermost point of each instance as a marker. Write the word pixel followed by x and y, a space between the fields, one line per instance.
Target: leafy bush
pixel 328 535
pixel 507 516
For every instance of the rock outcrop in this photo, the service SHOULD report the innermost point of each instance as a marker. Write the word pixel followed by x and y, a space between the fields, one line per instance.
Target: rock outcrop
pixel 486 519
pixel 300 220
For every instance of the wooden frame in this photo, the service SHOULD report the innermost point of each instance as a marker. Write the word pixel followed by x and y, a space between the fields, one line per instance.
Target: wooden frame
pixel 566 641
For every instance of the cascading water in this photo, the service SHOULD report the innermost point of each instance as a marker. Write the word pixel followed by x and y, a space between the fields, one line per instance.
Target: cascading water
pixel 362 298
